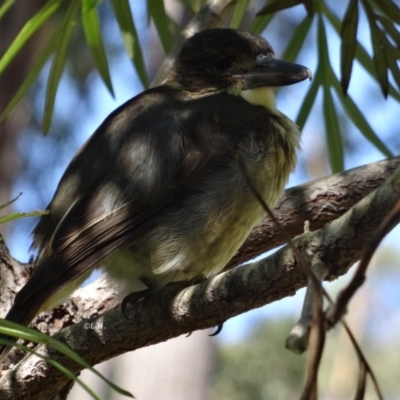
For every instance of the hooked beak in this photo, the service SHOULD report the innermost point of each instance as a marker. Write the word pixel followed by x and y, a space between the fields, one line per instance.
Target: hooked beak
pixel 271 72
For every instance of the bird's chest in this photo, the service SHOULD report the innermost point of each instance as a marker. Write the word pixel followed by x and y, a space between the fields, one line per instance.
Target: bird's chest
pixel 230 223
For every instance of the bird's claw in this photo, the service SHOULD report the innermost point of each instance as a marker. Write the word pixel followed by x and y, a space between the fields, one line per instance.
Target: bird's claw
pixel 217 331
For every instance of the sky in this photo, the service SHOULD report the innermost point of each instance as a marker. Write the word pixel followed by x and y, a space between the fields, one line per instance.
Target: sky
pixel 126 84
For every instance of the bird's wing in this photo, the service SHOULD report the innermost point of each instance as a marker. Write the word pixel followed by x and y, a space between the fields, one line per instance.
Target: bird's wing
pixel 164 154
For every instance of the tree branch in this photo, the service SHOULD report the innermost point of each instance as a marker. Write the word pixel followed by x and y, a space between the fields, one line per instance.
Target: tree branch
pixel 318 202
pixel 337 245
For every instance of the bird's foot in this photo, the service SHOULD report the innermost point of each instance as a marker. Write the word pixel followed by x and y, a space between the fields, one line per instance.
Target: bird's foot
pixel 135 298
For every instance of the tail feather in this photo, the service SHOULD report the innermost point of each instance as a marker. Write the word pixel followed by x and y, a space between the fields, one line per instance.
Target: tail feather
pixel 30 301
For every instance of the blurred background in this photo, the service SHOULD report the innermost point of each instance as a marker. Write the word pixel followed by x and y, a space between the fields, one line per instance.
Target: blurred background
pixel 247 360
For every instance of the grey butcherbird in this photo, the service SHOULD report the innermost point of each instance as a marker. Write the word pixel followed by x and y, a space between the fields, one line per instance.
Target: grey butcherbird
pixel 156 194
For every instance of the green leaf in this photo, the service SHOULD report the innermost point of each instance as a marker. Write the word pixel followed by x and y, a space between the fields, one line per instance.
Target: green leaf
pixel 323 50
pixel 277 5
pixel 161 22
pixel 366 61
pixel 358 119
pixel 53 362
pixel 379 59
pixel 333 133
pixel 5 7
pixel 123 15
pixel 309 100
pixel 390 28
pixel 8 328
pixel 290 54
pixel 333 19
pixel 67 372
pixel 91 27
pixel 239 14
pixel 34 71
pixel 390 9
pixel 361 54
pixel 309 6
pixel 19 215
pixel 349 42
pixel 298 37
pixel 58 64
pixel 377 38
pixel 391 57
pixel 260 23
pixel 10 202
pixel 348 104
pixel 27 31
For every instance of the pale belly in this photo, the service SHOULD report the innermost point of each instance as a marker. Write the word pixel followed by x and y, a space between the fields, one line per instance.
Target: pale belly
pixel 184 258
pixel 194 243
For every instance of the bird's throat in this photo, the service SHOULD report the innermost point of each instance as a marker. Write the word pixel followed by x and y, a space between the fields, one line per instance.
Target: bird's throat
pixel 261 96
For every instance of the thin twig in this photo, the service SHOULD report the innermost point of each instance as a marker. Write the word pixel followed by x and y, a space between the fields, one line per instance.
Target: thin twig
pixel 388 223
pixel 315 358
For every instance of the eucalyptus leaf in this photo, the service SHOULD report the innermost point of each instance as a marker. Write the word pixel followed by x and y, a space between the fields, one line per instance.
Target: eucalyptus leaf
pixel 391 9
pixel 332 128
pixel 239 13
pixel 8 328
pixel 333 132
pixel 5 7
pixel 309 5
pixel 379 58
pixel 18 215
pixel 359 120
pixel 260 23
pixel 390 29
pixel 309 100
pixel 323 50
pixel 349 42
pixel 278 5
pixel 297 40
pixel 161 22
pixel 10 202
pixel 34 71
pixel 58 64
pixel 391 58
pixel 130 37
pixel 94 40
pixel 27 31
pixel 56 365
pixel 361 54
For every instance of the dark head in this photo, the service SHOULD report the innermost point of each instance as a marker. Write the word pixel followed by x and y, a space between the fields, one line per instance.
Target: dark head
pixel 228 60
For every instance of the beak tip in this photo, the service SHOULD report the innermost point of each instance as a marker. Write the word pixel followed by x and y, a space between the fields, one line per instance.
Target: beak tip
pixel 306 74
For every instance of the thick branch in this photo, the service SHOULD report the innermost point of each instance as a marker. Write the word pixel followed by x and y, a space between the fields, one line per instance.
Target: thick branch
pixel 13 276
pixel 337 245
pixel 318 202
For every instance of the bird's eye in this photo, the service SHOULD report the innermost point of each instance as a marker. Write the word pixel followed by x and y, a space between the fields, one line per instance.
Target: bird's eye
pixel 221 63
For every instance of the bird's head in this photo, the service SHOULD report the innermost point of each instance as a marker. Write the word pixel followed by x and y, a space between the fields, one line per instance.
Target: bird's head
pixel 232 61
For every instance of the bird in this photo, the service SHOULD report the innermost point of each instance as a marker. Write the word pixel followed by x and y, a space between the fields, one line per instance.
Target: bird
pixel 156 194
